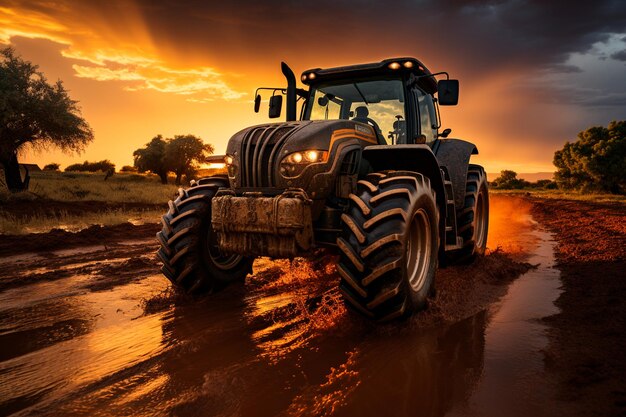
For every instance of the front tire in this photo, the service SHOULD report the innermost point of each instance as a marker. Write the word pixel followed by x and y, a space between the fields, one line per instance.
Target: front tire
pixel 389 245
pixel 189 251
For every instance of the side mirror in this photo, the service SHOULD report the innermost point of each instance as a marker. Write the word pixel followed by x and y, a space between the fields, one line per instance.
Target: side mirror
pixel 276 105
pixel 257 103
pixel 445 133
pixel 448 92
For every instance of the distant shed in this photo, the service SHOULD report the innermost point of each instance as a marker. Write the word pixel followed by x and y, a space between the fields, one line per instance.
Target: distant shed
pixel 30 167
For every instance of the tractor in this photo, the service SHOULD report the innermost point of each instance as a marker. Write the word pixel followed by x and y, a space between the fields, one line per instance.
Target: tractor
pixel 365 170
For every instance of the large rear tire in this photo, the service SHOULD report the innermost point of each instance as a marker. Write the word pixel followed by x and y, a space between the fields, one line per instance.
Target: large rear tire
pixel 473 219
pixel 389 245
pixel 189 251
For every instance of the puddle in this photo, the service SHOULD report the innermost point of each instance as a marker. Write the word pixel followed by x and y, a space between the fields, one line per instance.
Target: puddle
pixel 515 338
pixel 23 258
pixel 114 335
pixel 71 266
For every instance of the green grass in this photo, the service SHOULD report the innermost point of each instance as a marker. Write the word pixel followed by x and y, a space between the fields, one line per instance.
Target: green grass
pixel 140 188
pixel 75 186
pixel 566 195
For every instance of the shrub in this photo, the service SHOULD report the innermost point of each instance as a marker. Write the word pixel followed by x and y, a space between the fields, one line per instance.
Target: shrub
pixel 52 167
pixel 104 166
pixel 128 168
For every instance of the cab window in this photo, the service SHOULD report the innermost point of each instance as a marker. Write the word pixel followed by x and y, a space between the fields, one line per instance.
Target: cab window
pixel 427 117
pixel 377 103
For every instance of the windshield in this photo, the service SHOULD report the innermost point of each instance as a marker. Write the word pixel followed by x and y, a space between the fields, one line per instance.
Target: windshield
pixel 378 103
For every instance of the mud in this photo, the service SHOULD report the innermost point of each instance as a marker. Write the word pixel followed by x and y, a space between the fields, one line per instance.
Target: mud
pixel 585 356
pixel 42 207
pixel 94 329
pixel 50 242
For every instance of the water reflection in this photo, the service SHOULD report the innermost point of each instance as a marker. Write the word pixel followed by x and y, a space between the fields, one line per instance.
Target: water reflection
pixel 404 374
pixel 509 226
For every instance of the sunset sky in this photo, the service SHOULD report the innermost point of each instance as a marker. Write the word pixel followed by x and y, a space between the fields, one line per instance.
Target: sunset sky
pixel 532 73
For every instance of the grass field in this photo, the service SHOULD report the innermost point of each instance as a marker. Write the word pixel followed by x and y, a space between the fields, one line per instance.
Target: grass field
pixel 50 190
pixel 123 197
pixel 79 186
pixel 128 197
pixel 565 195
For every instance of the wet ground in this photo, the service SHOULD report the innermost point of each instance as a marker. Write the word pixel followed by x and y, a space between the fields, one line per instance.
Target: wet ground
pixel 97 331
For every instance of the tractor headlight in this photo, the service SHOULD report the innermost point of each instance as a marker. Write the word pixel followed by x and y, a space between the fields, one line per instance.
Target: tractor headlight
pixel 293 164
pixel 230 166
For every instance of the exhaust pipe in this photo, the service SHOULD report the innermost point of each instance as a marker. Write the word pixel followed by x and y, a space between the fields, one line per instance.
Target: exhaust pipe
pixel 291 91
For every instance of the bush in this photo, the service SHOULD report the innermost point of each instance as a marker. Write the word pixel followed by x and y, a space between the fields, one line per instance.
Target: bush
pixel 128 168
pixel 103 166
pixel 545 184
pixel 508 181
pixel 52 167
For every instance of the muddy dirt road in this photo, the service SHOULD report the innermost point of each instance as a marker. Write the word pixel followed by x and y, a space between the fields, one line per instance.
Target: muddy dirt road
pixel 96 330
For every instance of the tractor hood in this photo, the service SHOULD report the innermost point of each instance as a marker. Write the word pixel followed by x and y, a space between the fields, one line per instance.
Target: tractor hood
pixel 257 151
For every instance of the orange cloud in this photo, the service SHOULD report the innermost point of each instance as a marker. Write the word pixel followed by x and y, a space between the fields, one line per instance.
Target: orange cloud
pixel 128 62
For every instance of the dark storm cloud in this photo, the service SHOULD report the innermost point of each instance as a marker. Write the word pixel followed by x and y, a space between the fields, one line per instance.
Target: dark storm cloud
pixel 475 35
pixel 619 56
pixel 581 96
pixel 481 34
pixel 607 100
pixel 563 68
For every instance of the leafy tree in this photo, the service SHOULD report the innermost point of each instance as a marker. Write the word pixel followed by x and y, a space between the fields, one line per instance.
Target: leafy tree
pixel 34 112
pixel 52 167
pixel 180 155
pixel 152 158
pixel 183 153
pixel 508 181
pixel 597 160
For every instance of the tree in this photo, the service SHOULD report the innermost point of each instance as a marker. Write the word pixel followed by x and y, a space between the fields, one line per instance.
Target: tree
pixel 152 158
pixel 508 181
pixel 183 153
pixel 34 112
pixel 180 155
pixel 52 167
pixel 595 161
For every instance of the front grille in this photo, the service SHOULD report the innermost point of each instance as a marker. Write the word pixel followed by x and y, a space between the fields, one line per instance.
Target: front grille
pixel 259 153
pixel 350 163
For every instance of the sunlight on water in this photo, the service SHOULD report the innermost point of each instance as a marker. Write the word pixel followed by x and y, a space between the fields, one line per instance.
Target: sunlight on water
pixel 308 303
pixel 509 218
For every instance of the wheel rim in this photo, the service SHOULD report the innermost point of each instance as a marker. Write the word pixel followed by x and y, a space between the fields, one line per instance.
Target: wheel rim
pixel 418 249
pixel 221 261
pixel 481 221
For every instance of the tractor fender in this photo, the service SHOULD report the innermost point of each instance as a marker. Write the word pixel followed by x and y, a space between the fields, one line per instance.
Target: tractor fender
pixel 454 155
pixel 416 158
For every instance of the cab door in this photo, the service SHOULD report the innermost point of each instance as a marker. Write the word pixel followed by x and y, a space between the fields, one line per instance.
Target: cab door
pixel 426 120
